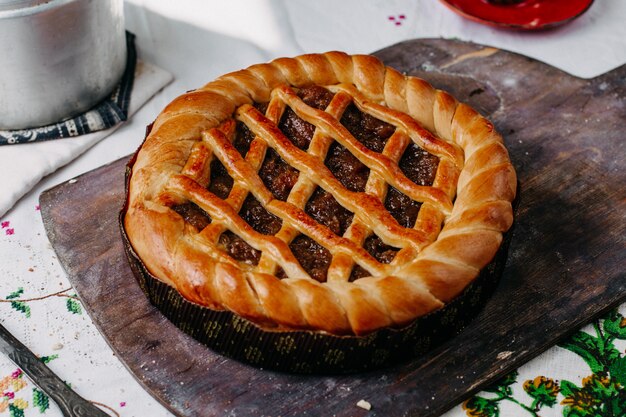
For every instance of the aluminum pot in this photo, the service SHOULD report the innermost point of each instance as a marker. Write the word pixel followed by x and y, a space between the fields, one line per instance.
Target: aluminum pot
pixel 59 58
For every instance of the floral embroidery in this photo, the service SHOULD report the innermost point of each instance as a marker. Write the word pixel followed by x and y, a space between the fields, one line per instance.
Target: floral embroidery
pixel 481 407
pixel 397 20
pixel 601 394
pixel 15 403
pixel 8 230
pixel 9 386
pixel 543 390
pixel 20 304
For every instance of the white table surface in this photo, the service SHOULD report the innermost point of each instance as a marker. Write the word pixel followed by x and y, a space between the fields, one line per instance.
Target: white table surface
pixel 198 40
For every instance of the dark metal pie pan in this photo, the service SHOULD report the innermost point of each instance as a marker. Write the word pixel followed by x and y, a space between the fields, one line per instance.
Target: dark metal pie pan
pixel 309 351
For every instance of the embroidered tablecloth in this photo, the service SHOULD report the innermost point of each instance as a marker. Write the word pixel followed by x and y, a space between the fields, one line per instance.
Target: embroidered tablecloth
pixel 197 40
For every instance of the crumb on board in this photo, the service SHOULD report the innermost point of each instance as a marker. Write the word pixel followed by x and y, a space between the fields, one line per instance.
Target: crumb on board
pixel 364 405
pixel 504 355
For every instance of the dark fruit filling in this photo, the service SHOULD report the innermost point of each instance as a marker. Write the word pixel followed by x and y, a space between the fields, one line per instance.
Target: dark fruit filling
pixel 314 258
pixel 260 219
pixel 323 207
pixel 297 130
pixel 237 248
pixel 379 250
pixel 401 207
pixel 367 129
pixel 279 177
pixel 221 182
pixel 351 172
pixel 193 215
pixel 418 165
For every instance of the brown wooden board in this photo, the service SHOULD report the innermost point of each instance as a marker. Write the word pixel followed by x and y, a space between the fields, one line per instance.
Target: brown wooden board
pixel 566 263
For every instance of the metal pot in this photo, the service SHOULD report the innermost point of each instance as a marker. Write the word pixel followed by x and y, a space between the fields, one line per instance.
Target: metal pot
pixel 59 58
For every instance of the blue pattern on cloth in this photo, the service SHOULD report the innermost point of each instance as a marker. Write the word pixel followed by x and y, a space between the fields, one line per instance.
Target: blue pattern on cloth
pixel 106 114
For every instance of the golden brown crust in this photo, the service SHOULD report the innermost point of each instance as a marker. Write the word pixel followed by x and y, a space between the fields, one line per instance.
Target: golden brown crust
pixel 434 264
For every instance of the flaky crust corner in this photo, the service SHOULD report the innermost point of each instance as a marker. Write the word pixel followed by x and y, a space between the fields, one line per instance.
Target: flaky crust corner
pixel 468 241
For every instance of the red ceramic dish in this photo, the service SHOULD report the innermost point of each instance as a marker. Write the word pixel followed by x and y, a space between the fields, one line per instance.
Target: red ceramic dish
pixel 527 14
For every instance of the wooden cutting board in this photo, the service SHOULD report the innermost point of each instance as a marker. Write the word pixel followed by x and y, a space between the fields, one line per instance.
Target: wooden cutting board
pixel 565 267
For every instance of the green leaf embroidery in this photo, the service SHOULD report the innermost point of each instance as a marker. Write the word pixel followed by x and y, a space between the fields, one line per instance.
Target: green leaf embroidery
pixel 568 412
pixel 602 393
pixel 40 400
pixel 73 306
pixel 22 307
pixel 618 371
pixel 615 325
pixel 619 406
pixel 48 359
pixel 592 350
pixel 568 388
pixel 15 411
pixel 15 294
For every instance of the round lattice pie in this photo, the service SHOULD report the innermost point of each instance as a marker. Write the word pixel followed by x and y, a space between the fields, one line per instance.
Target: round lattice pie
pixel 324 192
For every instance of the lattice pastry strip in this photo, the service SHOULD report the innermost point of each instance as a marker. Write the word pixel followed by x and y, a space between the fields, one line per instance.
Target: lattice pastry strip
pixel 376 214
pixel 239 193
pixel 373 160
pixel 223 214
pixel 254 157
pixel 422 137
pixel 430 218
pixel 341 266
pixel 296 218
pixel 304 187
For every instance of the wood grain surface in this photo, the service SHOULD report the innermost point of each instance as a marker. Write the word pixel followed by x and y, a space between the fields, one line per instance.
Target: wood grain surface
pixel 566 263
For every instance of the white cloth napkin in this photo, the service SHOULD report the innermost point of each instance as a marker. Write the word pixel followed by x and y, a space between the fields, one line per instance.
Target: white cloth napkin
pixel 23 166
